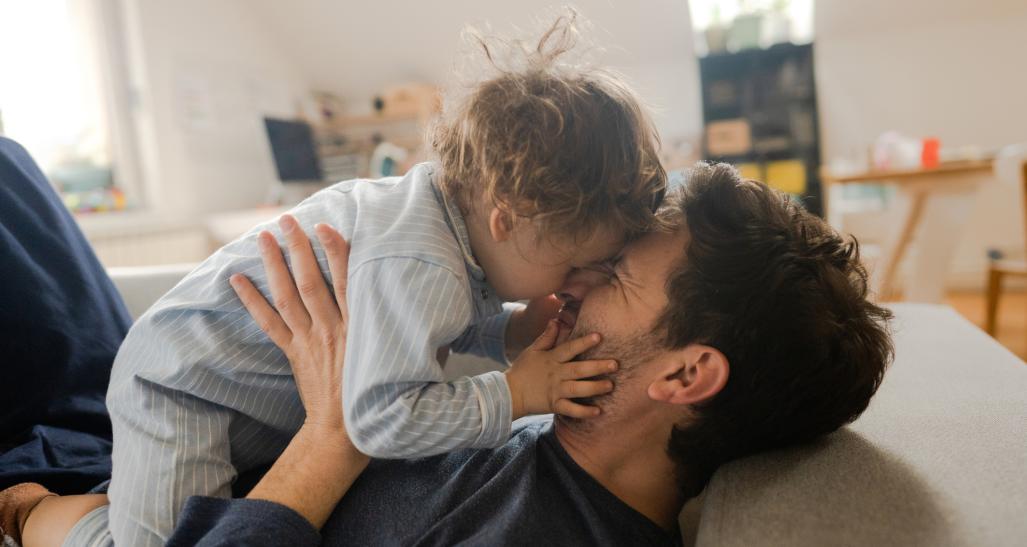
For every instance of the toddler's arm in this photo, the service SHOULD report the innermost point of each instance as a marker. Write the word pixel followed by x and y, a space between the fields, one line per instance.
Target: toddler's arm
pixel 488 338
pixel 504 336
pixel 397 402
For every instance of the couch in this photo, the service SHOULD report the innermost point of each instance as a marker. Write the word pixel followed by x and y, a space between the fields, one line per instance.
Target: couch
pixel 939 458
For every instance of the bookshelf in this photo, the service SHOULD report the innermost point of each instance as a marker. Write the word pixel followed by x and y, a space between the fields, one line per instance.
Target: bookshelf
pixel 401 117
pixel 760 114
pixel 345 144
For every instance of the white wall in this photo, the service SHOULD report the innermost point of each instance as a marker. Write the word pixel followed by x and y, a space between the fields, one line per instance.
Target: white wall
pixel 210 70
pixel 951 69
pixel 354 49
pixel 206 73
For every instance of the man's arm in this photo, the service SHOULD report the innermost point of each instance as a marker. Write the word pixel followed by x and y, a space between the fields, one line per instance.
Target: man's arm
pixel 313 474
pixel 310 327
pixel 287 507
pixel 320 463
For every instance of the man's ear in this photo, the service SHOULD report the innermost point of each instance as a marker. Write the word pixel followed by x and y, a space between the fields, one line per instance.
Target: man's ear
pixel 690 375
pixel 500 225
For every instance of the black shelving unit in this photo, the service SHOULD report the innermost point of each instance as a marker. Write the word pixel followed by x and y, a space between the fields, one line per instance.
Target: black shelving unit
pixel 771 93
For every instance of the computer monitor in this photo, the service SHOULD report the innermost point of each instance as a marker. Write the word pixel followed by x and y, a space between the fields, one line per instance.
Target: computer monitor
pixel 294 150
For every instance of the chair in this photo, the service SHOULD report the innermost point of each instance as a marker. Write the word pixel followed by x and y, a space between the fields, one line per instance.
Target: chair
pixel 1010 165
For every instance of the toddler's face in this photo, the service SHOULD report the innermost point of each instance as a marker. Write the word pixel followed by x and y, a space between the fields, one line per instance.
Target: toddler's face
pixel 535 267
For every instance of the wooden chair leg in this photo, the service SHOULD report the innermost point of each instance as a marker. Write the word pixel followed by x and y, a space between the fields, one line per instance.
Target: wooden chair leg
pixel 994 292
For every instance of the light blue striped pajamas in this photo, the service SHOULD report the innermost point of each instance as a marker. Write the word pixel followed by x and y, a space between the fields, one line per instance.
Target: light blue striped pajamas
pixel 199 393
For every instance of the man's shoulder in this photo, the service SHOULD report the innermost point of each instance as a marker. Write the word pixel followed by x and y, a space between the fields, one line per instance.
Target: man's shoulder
pixel 530 427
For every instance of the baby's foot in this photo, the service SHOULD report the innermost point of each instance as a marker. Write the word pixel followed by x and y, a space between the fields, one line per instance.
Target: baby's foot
pixel 15 505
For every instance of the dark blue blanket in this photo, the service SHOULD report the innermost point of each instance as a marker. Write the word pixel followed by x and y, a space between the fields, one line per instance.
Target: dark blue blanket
pixel 61 322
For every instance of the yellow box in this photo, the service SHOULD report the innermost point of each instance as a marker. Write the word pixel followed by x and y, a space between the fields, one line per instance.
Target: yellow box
pixel 787 176
pixel 752 171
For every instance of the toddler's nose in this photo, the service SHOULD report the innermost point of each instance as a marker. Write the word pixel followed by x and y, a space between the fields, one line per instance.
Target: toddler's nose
pixel 578 283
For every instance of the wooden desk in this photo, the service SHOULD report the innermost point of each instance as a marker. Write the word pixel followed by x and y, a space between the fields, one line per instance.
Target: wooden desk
pixel 953 186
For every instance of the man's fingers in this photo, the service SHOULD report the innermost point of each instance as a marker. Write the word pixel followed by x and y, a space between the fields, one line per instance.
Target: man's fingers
pixel 283 290
pixel 586 369
pixel 310 283
pixel 571 409
pixel 337 250
pixel 572 348
pixel 263 314
pixel 546 340
pixel 571 389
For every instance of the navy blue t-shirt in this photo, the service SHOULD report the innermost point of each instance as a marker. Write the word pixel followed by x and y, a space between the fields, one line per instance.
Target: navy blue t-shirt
pixel 526 492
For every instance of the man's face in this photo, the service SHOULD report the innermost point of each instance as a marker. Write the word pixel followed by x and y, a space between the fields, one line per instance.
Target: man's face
pixel 622 302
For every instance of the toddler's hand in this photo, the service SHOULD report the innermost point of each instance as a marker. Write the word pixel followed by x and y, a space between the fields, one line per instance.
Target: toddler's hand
pixel 543 379
pixel 527 324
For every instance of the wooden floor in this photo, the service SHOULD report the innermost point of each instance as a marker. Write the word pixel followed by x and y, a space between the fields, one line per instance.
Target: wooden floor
pixel 1012 317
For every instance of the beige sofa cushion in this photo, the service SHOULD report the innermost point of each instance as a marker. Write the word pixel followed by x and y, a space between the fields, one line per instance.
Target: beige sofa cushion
pixel 939 458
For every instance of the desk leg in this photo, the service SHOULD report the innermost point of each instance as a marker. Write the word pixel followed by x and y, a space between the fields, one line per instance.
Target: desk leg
pixel 941 230
pixel 914 207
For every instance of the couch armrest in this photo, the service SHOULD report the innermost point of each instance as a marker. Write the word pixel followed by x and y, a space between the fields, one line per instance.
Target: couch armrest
pixel 141 286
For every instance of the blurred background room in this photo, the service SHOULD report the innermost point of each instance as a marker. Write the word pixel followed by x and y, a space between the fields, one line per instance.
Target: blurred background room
pixel 171 128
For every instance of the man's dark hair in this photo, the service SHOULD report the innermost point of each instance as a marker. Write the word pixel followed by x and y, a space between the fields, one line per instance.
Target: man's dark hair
pixel 784 297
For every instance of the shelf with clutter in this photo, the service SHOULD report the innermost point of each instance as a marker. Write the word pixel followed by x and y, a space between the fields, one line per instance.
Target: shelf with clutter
pixel 760 114
pixel 384 142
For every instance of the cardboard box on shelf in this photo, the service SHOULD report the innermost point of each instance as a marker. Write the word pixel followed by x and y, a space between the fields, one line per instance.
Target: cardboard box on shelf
pixel 728 137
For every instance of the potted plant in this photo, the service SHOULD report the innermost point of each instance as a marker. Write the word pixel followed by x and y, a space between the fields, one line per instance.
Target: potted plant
pixel 745 29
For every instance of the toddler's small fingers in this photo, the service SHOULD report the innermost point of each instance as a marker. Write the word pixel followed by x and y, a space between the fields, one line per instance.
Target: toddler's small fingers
pixel 571 409
pixel 587 369
pixel 572 348
pixel 574 389
pixel 546 340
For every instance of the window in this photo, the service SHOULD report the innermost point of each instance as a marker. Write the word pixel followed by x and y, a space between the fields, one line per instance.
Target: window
pixel 57 98
pixel 733 25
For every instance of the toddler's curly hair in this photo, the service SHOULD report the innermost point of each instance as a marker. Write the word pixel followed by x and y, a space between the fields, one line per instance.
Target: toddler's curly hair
pixel 567 146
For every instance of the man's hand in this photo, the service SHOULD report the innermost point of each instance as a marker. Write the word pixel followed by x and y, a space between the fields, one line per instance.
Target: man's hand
pixel 527 324
pixel 309 325
pixel 543 379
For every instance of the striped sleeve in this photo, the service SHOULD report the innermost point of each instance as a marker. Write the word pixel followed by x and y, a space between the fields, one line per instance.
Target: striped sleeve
pixel 488 338
pixel 397 402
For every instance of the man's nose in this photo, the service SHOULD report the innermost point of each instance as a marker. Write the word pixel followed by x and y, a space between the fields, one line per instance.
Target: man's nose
pixel 578 283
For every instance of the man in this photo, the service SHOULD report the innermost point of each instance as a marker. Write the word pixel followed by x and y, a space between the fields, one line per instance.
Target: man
pixel 745 327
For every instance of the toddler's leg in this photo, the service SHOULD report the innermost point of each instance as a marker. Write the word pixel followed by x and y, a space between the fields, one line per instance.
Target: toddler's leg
pixel 33 516
pixel 54 516
pixel 168 446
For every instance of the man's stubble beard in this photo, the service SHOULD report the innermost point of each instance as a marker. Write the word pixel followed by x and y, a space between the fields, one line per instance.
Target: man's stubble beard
pixel 630 351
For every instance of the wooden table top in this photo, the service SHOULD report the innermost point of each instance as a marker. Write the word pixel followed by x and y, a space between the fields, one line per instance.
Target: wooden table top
pixel 947 168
